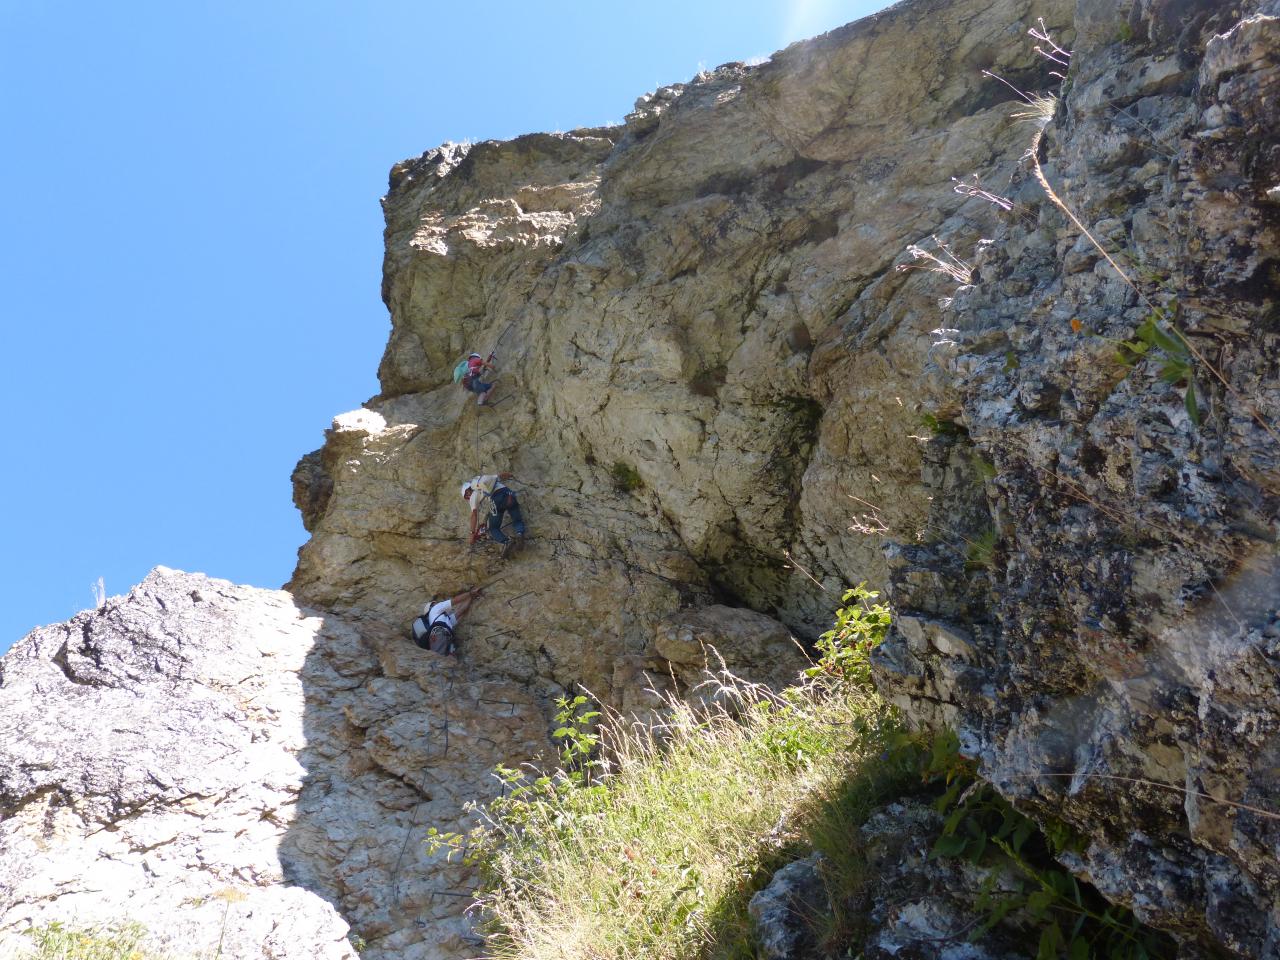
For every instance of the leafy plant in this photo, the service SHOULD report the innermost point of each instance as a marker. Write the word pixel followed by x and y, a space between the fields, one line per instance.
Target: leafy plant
pixel 574 723
pixel 1023 879
pixel 1159 336
pixel 860 627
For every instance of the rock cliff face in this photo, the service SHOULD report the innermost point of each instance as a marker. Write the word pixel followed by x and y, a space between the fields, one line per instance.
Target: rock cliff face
pixel 706 350
pixel 1111 652
pixel 723 401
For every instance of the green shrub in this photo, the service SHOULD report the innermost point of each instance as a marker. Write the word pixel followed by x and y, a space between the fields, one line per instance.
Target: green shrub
pixel 1021 874
pixel 625 477
pixel 860 627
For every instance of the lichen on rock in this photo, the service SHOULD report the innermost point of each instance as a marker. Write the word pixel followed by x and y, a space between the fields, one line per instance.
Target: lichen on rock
pixel 1119 669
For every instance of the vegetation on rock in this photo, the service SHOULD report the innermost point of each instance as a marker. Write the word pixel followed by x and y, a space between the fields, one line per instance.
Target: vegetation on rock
pixel 650 840
pixel 653 848
pixel 57 941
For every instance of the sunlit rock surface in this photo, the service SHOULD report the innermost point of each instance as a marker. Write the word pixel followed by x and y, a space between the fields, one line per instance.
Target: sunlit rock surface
pixel 242 775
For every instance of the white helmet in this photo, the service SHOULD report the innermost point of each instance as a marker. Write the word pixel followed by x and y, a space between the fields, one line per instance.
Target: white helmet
pixel 466 489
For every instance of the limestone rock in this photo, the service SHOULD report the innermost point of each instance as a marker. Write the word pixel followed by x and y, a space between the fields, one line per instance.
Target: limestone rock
pixel 785 913
pixel 734 380
pixel 1116 665
pixel 236 772
pixel 714 638
pixel 702 301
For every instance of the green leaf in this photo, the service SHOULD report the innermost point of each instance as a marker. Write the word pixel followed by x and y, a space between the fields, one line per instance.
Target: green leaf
pixel 1039 902
pixel 975 848
pixel 1193 409
pixel 1061 882
pixel 1130 352
pixel 1050 943
pixel 948 798
pixel 953 821
pixel 948 846
pixel 998 913
pixel 1079 949
pixel 1174 346
pixel 1021 834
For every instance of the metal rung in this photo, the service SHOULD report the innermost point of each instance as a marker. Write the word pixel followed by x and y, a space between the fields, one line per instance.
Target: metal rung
pixel 450 893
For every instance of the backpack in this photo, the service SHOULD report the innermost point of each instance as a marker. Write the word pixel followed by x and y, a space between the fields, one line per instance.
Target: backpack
pixel 460 370
pixel 436 637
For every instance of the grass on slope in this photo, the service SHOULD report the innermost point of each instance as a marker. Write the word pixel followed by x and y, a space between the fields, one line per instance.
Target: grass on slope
pixel 656 854
pixel 56 941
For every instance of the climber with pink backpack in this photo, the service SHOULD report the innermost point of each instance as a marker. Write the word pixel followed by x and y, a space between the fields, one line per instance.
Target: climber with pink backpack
pixel 469 373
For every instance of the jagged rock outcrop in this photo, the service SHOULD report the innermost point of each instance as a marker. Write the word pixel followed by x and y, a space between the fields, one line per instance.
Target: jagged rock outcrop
pixel 1097 611
pixel 724 402
pixel 241 774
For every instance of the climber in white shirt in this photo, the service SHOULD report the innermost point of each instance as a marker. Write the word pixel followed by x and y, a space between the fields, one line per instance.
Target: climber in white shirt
pixel 434 629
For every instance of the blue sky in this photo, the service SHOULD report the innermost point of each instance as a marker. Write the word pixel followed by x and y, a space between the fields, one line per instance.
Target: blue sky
pixel 191 243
